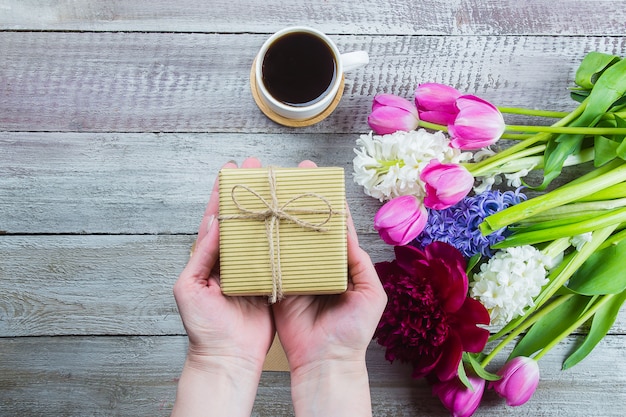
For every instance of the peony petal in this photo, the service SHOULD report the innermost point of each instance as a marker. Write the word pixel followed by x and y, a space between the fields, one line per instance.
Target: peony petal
pixel 473 311
pixel 452 353
pixel 426 365
pixel 406 256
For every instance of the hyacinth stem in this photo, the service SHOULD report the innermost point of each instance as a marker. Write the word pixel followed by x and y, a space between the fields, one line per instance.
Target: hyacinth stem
pixel 588 314
pixel 529 321
pixel 614 191
pixel 533 112
pixel 593 208
pixel 612 217
pixel 558 197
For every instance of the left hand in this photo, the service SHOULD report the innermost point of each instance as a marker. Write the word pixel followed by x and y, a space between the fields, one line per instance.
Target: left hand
pixel 236 330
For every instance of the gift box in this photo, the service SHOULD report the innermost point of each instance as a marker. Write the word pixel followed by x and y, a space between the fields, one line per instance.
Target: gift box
pixel 282 231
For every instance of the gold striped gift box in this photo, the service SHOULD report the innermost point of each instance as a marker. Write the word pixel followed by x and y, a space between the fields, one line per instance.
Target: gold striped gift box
pixel 282 231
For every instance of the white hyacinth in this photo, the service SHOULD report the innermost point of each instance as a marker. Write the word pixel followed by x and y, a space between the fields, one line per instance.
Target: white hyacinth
pixel 507 284
pixel 389 166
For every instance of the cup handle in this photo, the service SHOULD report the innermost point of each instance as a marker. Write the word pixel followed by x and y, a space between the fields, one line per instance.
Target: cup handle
pixel 354 60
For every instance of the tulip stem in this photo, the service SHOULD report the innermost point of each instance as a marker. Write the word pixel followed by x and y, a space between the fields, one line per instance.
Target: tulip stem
pixel 588 314
pixel 568 130
pixel 533 112
pixel 433 126
pixel 523 326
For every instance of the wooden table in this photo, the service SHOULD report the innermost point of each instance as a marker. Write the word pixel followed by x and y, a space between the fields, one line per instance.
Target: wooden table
pixel 114 119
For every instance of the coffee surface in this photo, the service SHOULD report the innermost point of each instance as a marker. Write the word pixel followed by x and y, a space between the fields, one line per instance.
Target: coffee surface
pixel 298 69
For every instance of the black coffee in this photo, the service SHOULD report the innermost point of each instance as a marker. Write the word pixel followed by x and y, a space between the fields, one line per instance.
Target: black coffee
pixel 298 69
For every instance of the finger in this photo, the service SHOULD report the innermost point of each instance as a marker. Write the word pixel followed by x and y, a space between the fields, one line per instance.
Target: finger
pixel 205 255
pixel 212 207
pixel 360 266
pixel 251 163
pixel 307 164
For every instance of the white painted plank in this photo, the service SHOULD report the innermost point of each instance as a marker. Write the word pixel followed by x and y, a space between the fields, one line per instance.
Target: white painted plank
pixel 105 285
pixel 142 183
pixel 146 183
pixel 172 82
pixel 532 17
pixel 136 376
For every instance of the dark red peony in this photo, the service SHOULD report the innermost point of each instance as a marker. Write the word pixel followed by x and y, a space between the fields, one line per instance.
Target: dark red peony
pixel 429 320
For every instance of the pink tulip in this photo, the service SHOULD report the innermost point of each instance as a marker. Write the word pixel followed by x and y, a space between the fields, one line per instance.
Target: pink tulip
pixel 457 398
pixel 446 184
pixel 436 103
pixel 400 220
pixel 391 113
pixel 478 124
pixel 520 377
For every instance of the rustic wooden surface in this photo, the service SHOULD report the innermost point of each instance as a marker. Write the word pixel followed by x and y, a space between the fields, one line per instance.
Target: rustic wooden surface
pixel 114 119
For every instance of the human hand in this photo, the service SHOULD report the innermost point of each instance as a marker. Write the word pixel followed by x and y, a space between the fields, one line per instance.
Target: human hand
pixel 228 336
pixel 325 338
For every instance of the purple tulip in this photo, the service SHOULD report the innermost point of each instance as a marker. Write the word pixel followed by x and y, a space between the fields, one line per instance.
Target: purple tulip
pixel 478 124
pixel 391 113
pixel 400 220
pixel 457 398
pixel 436 103
pixel 520 377
pixel 446 184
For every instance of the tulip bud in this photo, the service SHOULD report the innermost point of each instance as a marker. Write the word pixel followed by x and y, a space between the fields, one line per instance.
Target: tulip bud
pixel 400 220
pixel 520 377
pixel 460 400
pixel 436 103
pixel 478 124
pixel 391 113
pixel 446 184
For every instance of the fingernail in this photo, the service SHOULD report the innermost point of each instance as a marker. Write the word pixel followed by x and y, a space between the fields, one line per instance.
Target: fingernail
pixel 209 223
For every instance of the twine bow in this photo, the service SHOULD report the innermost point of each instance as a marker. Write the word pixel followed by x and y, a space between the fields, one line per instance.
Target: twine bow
pixel 272 214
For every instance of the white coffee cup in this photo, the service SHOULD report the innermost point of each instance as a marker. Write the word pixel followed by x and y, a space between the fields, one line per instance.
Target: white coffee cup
pixel 297 77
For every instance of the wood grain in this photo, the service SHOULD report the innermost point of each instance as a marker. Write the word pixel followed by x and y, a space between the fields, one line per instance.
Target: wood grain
pixel 180 82
pixel 136 376
pixel 106 284
pixel 396 17
pixel 115 117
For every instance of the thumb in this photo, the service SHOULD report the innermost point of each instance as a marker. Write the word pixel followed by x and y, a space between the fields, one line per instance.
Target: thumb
pixel 205 255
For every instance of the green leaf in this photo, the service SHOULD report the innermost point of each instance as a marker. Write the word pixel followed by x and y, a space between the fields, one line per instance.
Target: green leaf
pixel 608 90
pixel 550 326
pixel 602 273
pixel 463 376
pixel 473 261
pixel 592 65
pixel 557 151
pixel 601 324
pixel 605 150
pixel 478 368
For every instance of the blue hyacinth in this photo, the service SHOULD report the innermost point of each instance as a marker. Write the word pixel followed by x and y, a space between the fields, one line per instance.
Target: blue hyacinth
pixel 458 225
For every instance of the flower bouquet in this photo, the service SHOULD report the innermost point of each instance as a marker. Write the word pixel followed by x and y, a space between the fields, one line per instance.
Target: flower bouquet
pixel 474 248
